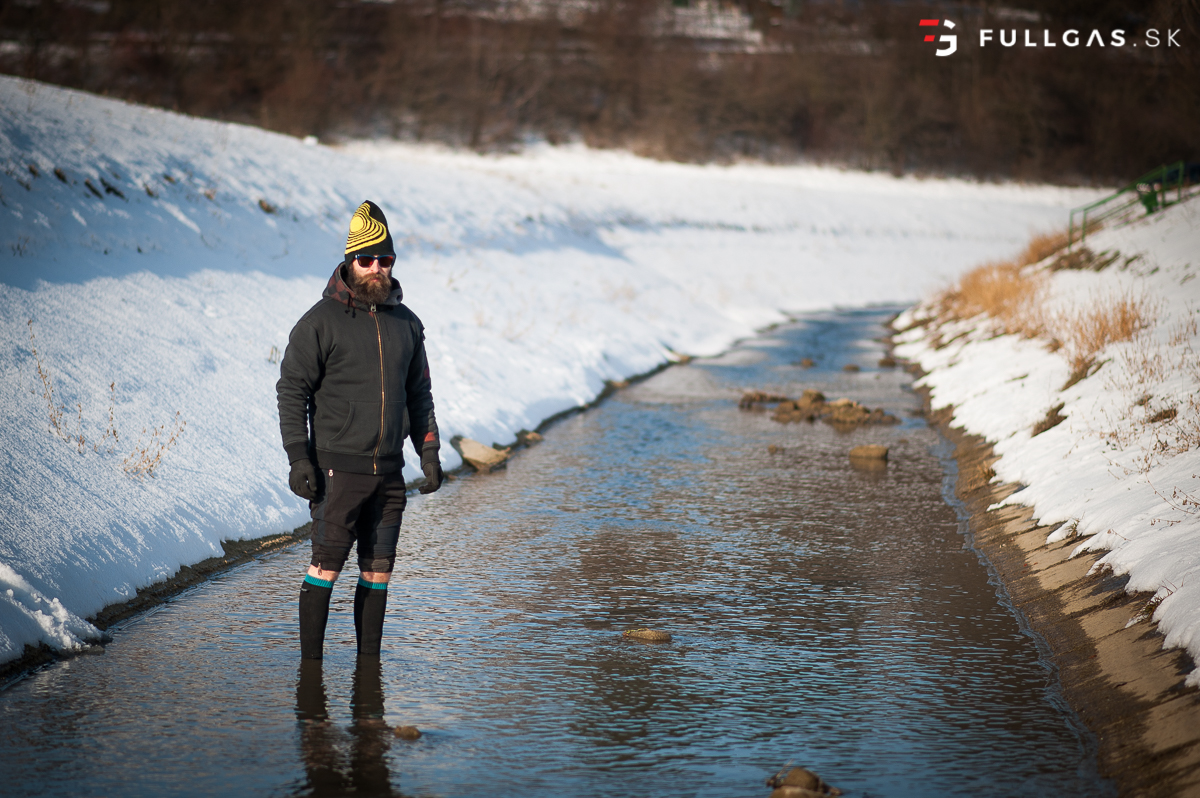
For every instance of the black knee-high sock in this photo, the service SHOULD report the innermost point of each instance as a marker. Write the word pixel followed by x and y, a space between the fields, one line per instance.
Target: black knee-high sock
pixel 314 613
pixel 370 601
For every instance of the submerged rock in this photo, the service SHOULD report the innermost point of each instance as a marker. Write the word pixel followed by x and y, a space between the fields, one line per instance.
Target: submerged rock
pixel 808 407
pixel 750 399
pixel 407 732
pixel 800 783
pixel 806 363
pixel 851 367
pixel 527 438
pixel 870 451
pixel 812 405
pixel 848 413
pixel 648 635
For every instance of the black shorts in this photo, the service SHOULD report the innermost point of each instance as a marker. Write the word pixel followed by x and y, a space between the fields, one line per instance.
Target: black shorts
pixel 358 508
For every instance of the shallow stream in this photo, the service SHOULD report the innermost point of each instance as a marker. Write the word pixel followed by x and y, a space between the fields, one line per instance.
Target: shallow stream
pixel 822 615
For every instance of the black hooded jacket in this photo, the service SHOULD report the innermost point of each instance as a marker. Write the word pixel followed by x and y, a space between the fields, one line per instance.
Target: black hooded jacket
pixel 359 374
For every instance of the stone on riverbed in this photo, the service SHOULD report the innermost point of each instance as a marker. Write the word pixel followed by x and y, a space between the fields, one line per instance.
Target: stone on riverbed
pixel 870 451
pixel 751 399
pixel 527 438
pixel 481 458
pixel 800 783
pixel 648 635
pixel 808 407
pixel 842 413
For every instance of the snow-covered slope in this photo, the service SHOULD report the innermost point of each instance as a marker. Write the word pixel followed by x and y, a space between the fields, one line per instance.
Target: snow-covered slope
pixel 164 259
pixel 1123 470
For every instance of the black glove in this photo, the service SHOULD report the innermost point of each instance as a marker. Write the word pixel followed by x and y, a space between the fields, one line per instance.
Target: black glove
pixel 433 474
pixel 304 481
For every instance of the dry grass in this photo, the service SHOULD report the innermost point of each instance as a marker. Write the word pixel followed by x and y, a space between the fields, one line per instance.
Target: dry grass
pixel 1042 246
pixel 144 458
pixel 1160 428
pixel 53 408
pixel 1084 333
pixel 147 456
pixel 1007 293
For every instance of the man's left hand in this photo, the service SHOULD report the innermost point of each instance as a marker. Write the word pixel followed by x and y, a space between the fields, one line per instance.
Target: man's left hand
pixel 433 477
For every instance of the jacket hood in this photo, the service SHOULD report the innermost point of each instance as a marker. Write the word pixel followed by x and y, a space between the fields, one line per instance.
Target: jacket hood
pixel 339 289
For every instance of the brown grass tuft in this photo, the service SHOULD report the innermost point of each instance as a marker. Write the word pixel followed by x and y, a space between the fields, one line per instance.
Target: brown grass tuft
pixel 53 408
pixel 147 456
pixel 1086 332
pixel 1004 291
pixel 1042 246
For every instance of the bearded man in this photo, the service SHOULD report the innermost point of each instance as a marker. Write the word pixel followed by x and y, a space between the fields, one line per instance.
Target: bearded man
pixel 354 384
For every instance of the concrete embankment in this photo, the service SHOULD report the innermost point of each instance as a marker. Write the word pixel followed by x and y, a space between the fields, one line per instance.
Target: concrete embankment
pixel 1128 690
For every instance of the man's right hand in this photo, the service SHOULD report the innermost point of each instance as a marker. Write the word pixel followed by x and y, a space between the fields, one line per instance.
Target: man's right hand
pixel 304 481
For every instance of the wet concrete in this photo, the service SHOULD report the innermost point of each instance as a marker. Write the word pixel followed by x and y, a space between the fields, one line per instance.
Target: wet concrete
pixel 1127 688
pixel 821 613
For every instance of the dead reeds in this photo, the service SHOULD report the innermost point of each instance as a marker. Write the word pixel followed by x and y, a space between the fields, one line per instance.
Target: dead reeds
pixel 1004 292
pixel 1008 293
pixel 53 408
pixel 1087 331
pixel 151 445
pixel 146 457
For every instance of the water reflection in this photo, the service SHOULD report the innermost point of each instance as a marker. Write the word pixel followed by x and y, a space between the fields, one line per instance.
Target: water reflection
pixel 334 765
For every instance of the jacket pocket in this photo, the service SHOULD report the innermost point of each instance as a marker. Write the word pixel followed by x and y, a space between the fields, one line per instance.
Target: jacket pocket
pixel 395 428
pixel 360 431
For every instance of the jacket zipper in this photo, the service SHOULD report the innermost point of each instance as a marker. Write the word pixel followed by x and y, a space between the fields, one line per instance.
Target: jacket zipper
pixel 382 394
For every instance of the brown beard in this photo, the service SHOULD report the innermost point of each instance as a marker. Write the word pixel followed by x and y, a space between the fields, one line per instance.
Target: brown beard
pixel 374 289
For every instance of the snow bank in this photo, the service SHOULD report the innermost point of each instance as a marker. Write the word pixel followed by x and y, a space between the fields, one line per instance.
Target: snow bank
pixel 1123 470
pixel 168 257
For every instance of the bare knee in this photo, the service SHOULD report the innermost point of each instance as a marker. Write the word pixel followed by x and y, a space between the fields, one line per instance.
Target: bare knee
pixel 377 577
pixel 320 573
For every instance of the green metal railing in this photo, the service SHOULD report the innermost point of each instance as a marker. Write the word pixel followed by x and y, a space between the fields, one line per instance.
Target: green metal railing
pixel 1150 191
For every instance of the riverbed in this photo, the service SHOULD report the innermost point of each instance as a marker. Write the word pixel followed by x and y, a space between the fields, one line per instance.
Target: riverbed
pixel 822 614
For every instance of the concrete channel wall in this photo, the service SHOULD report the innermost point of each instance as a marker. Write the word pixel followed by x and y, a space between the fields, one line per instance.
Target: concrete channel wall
pixel 1128 690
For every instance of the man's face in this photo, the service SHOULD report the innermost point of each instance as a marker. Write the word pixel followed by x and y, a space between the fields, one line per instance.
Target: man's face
pixel 372 281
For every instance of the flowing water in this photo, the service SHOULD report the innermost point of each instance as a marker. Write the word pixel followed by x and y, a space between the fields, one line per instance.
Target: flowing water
pixel 822 615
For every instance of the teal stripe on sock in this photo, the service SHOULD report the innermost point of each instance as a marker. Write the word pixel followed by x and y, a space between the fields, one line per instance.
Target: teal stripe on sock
pixel 372 585
pixel 312 580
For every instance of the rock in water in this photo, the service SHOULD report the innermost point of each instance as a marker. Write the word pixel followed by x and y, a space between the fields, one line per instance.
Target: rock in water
pixel 800 783
pixel 527 438
pixel 871 451
pixel 750 399
pixel 481 458
pixel 407 732
pixel 648 635
pixel 851 367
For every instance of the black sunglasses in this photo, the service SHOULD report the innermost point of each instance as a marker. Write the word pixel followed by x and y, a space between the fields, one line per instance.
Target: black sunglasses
pixel 365 261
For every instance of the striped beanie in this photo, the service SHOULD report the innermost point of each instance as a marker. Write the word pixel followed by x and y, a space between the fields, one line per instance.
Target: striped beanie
pixel 369 234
